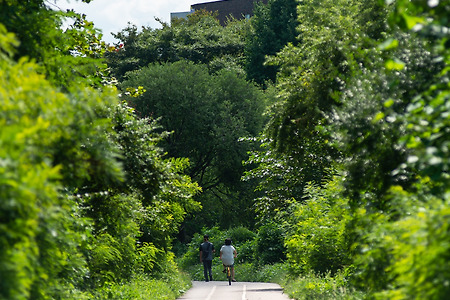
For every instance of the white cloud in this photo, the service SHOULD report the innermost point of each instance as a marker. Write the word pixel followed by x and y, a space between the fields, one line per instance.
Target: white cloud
pixel 114 15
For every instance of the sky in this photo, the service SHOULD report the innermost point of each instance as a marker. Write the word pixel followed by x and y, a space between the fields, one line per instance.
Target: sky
pixel 114 15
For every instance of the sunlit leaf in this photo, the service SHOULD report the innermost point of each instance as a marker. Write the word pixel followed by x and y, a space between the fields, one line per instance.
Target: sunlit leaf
pixel 394 64
pixel 389 44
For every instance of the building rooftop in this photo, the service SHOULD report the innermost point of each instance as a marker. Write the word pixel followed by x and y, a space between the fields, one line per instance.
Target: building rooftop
pixel 225 9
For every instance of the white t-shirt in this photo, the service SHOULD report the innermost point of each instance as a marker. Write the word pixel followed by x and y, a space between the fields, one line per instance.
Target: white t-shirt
pixel 227 255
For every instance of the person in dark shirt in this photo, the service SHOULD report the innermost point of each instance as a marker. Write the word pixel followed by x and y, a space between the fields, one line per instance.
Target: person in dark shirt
pixel 206 256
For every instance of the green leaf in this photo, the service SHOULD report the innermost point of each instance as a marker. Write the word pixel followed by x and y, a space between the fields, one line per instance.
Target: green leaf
pixel 388 103
pixel 379 116
pixel 412 21
pixel 389 44
pixel 394 64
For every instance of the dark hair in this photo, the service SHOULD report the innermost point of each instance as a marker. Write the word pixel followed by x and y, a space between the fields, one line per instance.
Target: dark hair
pixel 228 241
pixel 206 236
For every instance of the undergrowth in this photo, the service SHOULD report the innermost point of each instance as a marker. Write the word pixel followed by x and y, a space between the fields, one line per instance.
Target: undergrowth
pixel 143 287
pixel 314 287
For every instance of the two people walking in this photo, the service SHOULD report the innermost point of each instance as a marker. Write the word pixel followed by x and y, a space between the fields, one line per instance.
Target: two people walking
pixel 227 255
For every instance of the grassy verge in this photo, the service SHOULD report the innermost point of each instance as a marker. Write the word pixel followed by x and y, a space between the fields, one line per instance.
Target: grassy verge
pixel 143 288
pixel 311 286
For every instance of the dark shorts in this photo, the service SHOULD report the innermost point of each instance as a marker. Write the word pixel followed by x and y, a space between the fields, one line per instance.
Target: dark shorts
pixel 228 265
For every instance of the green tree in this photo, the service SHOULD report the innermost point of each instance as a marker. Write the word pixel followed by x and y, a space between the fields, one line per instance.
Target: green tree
pixel 312 74
pixel 336 38
pixel 39 30
pixel 273 26
pixel 167 194
pixel 83 178
pixel 389 128
pixel 316 237
pixel 200 39
pixel 41 224
pixel 148 206
pixel 372 110
pixel 207 115
pixel 379 96
pixel 413 241
pixel 269 244
pixel 426 115
pixel 279 178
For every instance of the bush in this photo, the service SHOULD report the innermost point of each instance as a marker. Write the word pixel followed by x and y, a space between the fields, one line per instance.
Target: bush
pixel 143 287
pixel 240 235
pixel 147 257
pixel 317 240
pixel 71 208
pixel 246 252
pixel 407 257
pixel 266 273
pixel 312 287
pixel 270 244
pixel 244 240
pixel 47 139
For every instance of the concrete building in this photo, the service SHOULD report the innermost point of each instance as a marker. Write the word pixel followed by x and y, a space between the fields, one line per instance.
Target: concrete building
pixel 179 15
pixel 238 9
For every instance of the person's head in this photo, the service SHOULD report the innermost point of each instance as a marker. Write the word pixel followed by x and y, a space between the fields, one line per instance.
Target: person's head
pixel 228 241
pixel 206 237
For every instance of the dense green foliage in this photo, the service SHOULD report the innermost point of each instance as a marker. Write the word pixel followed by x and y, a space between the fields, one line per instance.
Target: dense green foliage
pixel 42 37
pixel 208 114
pixel 45 143
pixel 318 251
pixel 273 26
pixel 377 102
pixel 345 189
pixel 193 73
pixel 200 39
pixel 82 180
pixel 311 286
pixel 142 288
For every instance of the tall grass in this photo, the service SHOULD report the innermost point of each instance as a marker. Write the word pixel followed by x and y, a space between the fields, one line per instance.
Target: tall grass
pixel 143 287
pixel 311 286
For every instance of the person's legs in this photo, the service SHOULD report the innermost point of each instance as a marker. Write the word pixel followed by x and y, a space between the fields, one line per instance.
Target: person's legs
pixel 232 272
pixel 205 269
pixel 210 269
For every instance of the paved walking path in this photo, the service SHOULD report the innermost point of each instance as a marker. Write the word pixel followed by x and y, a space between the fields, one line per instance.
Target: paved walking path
pixel 220 290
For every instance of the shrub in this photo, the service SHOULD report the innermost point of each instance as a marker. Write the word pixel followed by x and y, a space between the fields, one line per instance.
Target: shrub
pixel 270 244
pixel 422 252
pixel 42 232
pixel 408 257
pixel 372 255
pixel 240 235
pixel 247 251
pixel 143 287
pixel 244 240
pixel 147 257
pixel 310 286
pixel 317 240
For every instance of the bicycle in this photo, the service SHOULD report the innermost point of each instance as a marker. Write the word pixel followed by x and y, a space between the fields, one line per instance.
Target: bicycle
pixel 228 272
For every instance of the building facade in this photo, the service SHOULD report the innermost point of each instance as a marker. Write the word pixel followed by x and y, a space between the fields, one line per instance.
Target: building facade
pixel 225 9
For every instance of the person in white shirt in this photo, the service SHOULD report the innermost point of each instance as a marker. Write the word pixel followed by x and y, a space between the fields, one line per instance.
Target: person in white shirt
pixel 227 255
